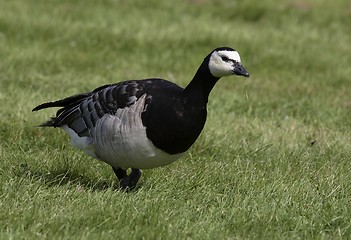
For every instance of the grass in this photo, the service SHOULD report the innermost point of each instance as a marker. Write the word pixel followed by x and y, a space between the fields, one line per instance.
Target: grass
pixel 272 162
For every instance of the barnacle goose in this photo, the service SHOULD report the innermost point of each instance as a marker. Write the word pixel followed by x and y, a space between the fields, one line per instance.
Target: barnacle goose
pixel 142 124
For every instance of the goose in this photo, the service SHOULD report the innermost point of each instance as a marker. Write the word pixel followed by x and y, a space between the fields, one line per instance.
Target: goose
pixel 142 124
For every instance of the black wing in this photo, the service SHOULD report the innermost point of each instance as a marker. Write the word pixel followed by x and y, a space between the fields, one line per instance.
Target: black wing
pixel 81 112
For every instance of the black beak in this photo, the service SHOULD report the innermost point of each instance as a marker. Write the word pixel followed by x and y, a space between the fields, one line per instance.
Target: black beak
pixel 240 70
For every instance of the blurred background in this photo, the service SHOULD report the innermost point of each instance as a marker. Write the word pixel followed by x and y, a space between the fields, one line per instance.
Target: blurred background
pixel 274 156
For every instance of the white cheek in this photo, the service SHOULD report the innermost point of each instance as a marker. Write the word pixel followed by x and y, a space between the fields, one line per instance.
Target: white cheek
pixel 218 68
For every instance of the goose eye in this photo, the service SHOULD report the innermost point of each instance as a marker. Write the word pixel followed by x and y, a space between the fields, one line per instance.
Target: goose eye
pixel 225 59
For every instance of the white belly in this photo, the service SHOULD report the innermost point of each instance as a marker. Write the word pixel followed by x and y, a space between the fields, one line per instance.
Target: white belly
pixel 120 140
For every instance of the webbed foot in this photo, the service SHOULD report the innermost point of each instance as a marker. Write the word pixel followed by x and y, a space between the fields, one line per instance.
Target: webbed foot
pixel 127 182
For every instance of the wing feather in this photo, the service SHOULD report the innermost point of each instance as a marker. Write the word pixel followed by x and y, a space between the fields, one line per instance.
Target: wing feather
pixel 81 112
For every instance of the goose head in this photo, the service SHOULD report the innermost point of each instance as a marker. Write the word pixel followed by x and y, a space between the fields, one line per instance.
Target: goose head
pixel 225 61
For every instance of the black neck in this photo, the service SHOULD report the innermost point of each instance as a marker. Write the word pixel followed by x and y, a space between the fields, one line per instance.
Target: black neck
pixel 200 87
pixel 176 128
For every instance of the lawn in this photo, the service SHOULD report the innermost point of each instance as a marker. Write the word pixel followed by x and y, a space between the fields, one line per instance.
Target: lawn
pixel 272 162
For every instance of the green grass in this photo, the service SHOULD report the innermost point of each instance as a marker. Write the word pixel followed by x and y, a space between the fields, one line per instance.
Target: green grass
pixel 272 162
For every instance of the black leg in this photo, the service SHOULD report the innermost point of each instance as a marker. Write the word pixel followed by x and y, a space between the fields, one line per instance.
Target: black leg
pixel 120 173
pixel 134 178
pixel 127 182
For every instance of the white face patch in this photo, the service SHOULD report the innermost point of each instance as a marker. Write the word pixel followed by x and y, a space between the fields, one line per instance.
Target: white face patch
pixel 221 68
pixel 234 55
